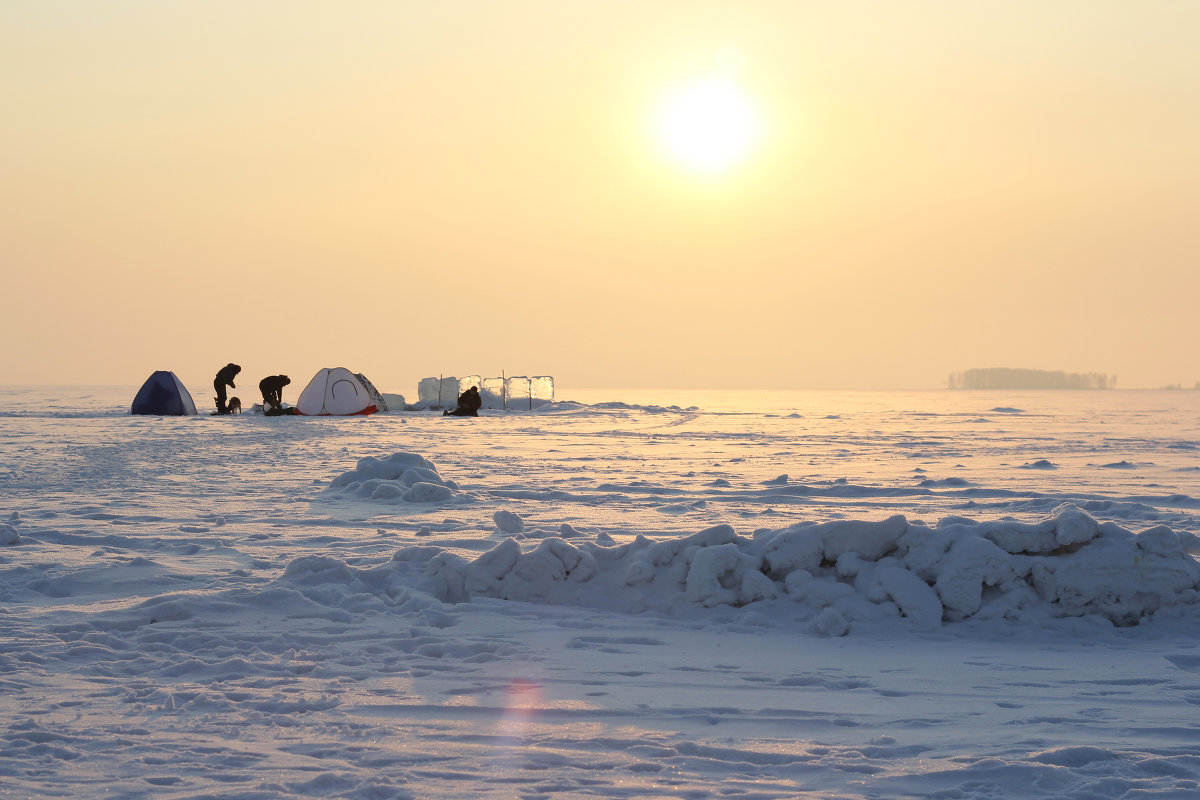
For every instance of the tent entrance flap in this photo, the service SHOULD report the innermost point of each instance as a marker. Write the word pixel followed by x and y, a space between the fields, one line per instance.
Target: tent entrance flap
pixel 336 391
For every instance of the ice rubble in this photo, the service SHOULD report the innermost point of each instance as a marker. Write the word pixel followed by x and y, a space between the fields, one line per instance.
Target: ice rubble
pixel 399 478
pixel 835 574
pixel 849 571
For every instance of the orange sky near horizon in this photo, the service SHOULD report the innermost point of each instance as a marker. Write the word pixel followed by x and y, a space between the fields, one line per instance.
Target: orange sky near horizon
pixel 412 189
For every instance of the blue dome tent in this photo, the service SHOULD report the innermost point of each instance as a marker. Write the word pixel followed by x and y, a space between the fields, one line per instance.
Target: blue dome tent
pixel 163 394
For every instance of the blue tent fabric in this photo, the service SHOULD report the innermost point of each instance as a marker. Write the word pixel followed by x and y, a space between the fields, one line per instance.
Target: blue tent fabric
pixel 164 395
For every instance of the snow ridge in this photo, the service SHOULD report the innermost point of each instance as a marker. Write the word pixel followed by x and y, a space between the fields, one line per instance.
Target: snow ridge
pixel 842 573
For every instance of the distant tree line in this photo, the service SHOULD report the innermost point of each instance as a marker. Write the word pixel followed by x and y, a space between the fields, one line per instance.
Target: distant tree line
pixel 1006 378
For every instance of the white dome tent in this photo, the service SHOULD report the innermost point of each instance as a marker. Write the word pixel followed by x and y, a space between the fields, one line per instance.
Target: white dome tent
pixel 336 391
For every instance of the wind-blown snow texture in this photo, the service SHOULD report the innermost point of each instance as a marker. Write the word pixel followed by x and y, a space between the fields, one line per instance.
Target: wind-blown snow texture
pixel 962 595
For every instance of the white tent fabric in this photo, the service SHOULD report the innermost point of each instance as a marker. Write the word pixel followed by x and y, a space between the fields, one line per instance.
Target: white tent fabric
pixel 336 391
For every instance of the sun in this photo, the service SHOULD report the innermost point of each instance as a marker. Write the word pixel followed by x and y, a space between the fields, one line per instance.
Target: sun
pixel 708 127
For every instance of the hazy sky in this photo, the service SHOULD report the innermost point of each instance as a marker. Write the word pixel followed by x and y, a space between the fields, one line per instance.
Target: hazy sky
pixel 415 188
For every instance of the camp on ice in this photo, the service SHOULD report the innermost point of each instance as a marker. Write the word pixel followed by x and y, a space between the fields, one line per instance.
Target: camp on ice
pixel 339 391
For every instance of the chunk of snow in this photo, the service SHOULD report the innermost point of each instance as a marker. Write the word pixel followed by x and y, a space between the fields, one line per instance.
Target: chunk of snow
pixel 830 622
pixel 508 522
pixel 912 595
pixel 399 478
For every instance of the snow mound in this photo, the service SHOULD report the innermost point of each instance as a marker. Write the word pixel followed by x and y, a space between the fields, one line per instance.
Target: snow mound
pixel 399 478
pixel 840 574
pixel 509 522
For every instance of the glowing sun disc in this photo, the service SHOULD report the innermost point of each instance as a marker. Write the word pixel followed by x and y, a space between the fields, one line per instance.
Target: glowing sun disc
pixel 708 127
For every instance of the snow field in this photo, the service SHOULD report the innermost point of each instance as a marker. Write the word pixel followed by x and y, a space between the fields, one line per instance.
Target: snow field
pixel 855 596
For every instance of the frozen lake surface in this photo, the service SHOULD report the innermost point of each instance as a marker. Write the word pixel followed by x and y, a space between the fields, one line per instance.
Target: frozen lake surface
pixel 622 594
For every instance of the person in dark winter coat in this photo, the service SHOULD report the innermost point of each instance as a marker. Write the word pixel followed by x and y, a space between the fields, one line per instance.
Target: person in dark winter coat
pixel 272 391
pixel 469 403
pixel 225 376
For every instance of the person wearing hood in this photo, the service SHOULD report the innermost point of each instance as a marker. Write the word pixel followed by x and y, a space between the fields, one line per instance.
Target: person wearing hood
pixel 272 392
pixel 225 376
pixel 469 403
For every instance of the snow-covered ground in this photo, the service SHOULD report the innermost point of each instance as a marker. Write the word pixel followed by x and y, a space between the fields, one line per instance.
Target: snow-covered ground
pixel 622 594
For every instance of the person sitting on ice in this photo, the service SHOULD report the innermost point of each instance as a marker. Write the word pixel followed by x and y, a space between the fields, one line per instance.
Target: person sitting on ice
pixel 272 392
pixel 469 403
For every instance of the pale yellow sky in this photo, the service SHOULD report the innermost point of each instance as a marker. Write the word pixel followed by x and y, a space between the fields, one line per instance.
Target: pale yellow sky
pixel 409 189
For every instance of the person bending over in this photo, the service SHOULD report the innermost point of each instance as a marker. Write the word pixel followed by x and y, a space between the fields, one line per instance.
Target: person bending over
pixel 469 403
pixel 272 392
pixel 225 376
